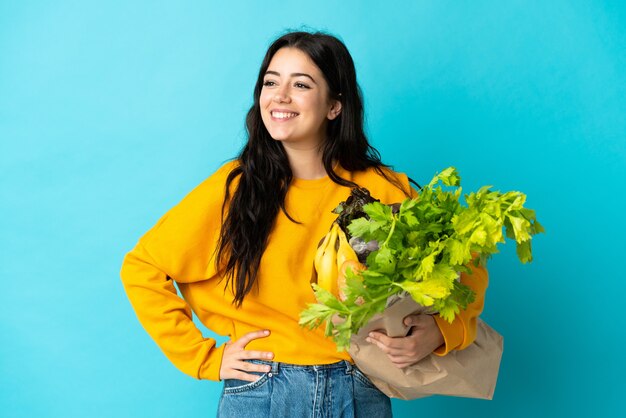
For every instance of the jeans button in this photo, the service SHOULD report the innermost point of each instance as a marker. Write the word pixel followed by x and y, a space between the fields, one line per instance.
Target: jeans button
pixel 270 374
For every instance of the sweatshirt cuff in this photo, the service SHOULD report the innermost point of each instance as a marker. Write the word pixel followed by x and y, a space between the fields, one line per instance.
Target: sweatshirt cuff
pixel 211 368
pixel 452 335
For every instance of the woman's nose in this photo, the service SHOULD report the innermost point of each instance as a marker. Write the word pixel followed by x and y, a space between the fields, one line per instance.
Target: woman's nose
pixel 282 95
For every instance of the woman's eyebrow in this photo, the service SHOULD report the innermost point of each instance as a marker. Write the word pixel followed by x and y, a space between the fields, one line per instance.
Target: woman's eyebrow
pixel 292 74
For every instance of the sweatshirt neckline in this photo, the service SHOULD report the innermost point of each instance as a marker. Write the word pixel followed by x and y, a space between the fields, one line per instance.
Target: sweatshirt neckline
pixel 316 183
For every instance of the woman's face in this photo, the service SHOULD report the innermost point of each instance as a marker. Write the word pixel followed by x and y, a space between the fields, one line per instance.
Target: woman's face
pixel 295 102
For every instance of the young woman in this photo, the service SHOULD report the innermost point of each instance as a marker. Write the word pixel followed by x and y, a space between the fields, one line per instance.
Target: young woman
pixel 240 248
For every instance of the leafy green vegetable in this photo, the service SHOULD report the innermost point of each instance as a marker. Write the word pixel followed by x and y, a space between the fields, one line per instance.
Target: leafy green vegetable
pixel 423 246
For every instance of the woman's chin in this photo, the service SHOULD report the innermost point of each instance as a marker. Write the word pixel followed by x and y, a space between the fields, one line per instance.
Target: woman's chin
pixel 283 138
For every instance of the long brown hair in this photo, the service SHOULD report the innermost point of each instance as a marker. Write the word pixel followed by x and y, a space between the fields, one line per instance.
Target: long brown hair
pixel 264 171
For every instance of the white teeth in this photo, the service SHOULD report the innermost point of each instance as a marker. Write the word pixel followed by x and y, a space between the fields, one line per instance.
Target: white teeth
pixel 281 115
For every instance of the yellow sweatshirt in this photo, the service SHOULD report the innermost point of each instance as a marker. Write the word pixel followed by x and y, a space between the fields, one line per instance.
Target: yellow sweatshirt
pixel 180 248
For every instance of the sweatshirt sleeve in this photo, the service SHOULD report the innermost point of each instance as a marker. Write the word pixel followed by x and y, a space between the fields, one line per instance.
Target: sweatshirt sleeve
pixel 462 331
pixel 167 318
pixel 180 247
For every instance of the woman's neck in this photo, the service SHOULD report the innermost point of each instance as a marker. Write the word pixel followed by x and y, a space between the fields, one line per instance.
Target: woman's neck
pixel 306 164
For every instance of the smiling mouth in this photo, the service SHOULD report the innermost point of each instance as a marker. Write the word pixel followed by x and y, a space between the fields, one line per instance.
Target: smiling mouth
pixel 283 116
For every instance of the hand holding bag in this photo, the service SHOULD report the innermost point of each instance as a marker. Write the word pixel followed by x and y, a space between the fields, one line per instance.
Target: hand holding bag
pixel 471 372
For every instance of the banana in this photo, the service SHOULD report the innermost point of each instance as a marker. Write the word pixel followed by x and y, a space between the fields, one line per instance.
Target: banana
pixel 345 251
pixel 327 266
pixel 334 251
pixel 320 253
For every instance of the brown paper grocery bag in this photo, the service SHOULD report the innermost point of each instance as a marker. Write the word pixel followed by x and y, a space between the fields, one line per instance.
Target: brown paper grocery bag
pixel 471 372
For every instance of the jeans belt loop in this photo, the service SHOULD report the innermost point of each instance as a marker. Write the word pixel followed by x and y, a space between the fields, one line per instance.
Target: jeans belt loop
pixel 349 367
pixel 275 367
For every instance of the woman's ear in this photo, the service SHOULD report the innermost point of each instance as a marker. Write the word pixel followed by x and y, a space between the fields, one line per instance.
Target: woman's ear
pixel 335 110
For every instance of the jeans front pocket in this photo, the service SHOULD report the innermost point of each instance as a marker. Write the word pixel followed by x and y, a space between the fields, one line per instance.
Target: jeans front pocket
pixel 369 401
pixel 243 399
pixel 232 386
pixel 360 377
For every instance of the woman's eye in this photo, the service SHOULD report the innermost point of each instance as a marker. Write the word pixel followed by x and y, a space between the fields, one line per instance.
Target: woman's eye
pixel 269 83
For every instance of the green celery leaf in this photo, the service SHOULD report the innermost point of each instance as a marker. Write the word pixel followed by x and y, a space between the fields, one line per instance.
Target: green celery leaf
pixel 359 227
pixel 325 297
pixel 524 252
pixel 447 308
pixel 459 252
pixel 520 228
pixel 378 212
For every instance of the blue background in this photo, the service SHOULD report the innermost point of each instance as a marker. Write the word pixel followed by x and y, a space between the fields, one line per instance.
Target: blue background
pixel 110 112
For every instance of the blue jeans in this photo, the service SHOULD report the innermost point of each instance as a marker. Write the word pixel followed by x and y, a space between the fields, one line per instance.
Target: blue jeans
pixel 289 390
